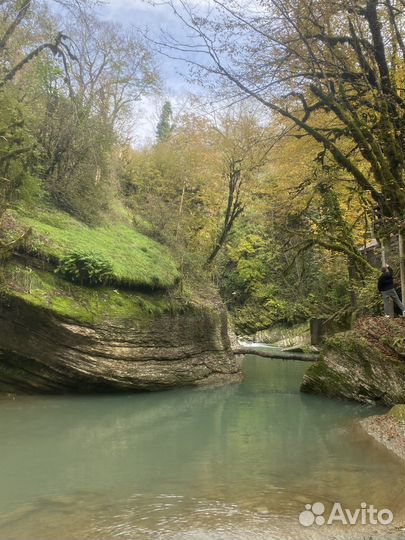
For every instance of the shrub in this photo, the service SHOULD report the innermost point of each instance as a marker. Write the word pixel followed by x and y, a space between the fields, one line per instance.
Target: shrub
pixel 85 268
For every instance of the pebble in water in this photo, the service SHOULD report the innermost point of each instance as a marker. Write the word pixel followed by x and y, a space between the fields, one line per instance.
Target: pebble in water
pixel 263 511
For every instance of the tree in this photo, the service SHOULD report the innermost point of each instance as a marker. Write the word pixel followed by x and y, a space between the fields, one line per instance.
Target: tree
pixel 194 186
pixel 165 125
pixel 13 15
pixel 113 68
pixel 82 124
pixel 300 57
pixel 23 42
pixel 246 147
pixel 288 256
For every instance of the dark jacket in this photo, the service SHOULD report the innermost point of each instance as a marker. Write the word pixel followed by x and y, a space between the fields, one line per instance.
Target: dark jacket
pixel 386 281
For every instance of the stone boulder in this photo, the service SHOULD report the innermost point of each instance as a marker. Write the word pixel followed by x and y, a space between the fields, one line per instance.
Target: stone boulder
pixel 366 364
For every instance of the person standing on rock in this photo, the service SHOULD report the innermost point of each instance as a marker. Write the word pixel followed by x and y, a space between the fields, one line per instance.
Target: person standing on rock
pixel 387 289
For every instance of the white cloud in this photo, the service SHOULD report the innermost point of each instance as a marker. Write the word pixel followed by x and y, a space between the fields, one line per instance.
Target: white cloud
pixel 140 14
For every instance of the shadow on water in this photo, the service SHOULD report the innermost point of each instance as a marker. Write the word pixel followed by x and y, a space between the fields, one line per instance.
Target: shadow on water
pixel 186 461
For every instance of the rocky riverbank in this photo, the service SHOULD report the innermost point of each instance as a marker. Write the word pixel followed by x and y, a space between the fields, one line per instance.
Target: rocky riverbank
pixel 63 331
pixel 282 336
pixel 179 344
pixel 365 364
pixel 388 430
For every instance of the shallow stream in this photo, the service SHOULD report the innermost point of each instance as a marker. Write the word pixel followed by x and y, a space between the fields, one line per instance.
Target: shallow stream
pixel 232 462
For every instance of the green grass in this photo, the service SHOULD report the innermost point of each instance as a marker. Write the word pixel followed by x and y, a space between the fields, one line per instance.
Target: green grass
pixel 136 260
pixel 48 291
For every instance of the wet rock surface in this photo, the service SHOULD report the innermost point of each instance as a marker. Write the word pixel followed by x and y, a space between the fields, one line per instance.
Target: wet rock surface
pixel 365 364
pixel 42 352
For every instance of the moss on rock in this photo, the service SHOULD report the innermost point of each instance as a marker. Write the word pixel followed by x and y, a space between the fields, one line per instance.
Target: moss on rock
pixel 139 333
pixel 364 364
pixel 398 413
pixel 56 337
pixel 135 259
pixel 44 289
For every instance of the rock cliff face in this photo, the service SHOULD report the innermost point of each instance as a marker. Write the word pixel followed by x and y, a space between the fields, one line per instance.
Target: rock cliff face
pixel 365 364
pixel 281 336
pixel 42 351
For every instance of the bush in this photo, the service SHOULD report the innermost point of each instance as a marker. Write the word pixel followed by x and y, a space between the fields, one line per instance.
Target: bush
pixel 85 268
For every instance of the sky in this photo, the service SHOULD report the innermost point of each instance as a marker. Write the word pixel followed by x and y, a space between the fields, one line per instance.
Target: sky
pixel 139 14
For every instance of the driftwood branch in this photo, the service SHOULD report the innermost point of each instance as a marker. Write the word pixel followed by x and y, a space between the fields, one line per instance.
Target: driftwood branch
pixel 303 357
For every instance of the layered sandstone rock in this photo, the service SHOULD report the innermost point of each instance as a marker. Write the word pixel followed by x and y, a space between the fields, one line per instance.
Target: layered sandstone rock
pixel 366 364
pixel 42 351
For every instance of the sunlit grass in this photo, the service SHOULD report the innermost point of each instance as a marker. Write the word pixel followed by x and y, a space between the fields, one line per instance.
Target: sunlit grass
pixel 89 305
pixel 136 260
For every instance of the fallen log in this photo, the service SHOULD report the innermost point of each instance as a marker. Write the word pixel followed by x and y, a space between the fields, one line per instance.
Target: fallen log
pixel 303 357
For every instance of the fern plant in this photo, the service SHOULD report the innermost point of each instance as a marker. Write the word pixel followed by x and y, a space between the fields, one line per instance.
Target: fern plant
pixel 85 268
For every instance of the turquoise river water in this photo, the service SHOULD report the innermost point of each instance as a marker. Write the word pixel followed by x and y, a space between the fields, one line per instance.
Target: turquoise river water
pixel 231 462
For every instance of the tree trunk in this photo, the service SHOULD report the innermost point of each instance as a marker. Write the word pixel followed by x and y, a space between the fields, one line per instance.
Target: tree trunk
pixel 352 280
pixel 385 251
pixel 402 261
pixel 181 208
pixel 281 355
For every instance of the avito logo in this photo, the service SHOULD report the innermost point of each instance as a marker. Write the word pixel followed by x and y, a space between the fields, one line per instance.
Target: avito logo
pixel 367 514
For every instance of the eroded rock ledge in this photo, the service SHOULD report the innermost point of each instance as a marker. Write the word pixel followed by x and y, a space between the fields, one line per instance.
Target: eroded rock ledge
pixel 365 364
pixel 44 352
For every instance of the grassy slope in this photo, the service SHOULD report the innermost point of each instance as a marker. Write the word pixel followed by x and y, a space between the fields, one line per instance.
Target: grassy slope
pixel 137 260
pixel 83 304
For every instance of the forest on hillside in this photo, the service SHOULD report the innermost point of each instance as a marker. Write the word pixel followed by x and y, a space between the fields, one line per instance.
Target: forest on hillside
pixel 271 182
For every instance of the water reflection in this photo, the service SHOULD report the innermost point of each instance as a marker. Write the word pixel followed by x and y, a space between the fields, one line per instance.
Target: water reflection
pixel 229 462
